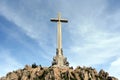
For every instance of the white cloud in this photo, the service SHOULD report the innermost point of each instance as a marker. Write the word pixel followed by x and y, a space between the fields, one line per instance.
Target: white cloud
pixel 33 23
pixel 8 63
pixel 115 68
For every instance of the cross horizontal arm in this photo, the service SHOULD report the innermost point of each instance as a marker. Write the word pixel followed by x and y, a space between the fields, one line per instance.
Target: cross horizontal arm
pixel 61 20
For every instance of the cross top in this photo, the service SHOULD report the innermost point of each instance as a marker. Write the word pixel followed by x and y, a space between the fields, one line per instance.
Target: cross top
pixel 59 19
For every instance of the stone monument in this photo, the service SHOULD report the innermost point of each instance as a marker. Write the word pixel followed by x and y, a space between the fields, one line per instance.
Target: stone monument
pixel 59 60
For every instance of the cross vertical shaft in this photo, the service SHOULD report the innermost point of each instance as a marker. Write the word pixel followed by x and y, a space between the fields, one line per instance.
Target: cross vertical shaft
pixel 59 35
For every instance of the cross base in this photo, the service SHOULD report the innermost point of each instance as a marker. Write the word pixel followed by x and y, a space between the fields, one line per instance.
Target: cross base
pixel 60 60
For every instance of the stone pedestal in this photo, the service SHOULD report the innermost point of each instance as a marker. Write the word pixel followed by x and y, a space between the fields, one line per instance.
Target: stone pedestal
pixel 60 60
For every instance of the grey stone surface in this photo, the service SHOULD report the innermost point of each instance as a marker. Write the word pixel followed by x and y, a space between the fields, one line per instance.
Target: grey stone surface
pixel 60 60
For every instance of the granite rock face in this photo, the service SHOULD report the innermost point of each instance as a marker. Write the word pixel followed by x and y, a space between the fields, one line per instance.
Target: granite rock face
pixel 55 73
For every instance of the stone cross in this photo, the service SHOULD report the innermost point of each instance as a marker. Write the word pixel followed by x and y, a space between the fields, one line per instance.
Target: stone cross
pixel 59 60
pixel 59 32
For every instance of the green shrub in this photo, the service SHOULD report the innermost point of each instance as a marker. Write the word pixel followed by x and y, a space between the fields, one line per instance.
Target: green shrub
pixel 34 65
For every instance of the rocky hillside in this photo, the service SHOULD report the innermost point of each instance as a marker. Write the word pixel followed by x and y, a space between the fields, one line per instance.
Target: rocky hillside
pixel 35 72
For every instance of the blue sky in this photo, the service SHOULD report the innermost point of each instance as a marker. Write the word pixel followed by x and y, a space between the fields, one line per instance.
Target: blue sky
pixel 91 38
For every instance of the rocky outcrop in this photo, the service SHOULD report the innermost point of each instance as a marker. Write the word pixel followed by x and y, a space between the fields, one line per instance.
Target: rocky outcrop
pixel 35 72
